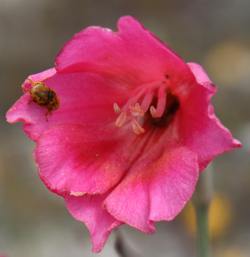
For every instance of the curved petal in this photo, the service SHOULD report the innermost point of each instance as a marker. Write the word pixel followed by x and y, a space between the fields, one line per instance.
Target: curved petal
pixel 84 98
pixel 156 188
pixel 30 114
pixel 90 211
pixel 201 76
pixel 174 184
pixel 27 112
pixel 132 53
pixel 200 129
pixel 76 160
pixel 41 76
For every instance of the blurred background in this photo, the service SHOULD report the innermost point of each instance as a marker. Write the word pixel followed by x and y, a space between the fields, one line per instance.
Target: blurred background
pixel 34 222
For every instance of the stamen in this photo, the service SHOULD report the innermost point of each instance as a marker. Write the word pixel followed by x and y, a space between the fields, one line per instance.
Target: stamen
pixel 161 103
pixel 136 110
pixel 121 119
pixel 147 101
pixel 153 111
pixel 116 107
pixel 150 104
pixel 137 128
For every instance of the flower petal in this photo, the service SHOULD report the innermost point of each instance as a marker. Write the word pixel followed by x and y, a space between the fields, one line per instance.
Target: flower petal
pixel 41 76
pixel 132 54
pixel 75 92
pixel 201 76
pixel 156 188
pixel 27 112
pixel 174 184
pixel 200 130
pixel 90 211
pixel 76 160
pixel 30 114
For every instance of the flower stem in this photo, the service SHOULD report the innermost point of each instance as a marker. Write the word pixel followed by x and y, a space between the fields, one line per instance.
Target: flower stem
pixel 119 244
pixel 201 201
pixel 121 248
pixel 202 231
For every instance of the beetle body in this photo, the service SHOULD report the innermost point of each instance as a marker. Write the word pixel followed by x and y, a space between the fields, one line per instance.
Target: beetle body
pixel 44 96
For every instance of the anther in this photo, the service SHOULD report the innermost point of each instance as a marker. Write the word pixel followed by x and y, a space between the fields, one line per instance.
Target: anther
pixel 136 110
pixel 116 107
pixel 121 119
pixel 153 111
pixel 137 128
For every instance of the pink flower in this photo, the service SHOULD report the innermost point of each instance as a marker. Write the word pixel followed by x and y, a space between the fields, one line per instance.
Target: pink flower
pixel 122 128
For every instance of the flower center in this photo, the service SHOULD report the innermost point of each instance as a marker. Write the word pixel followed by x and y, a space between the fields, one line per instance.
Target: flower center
pixel 153 105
